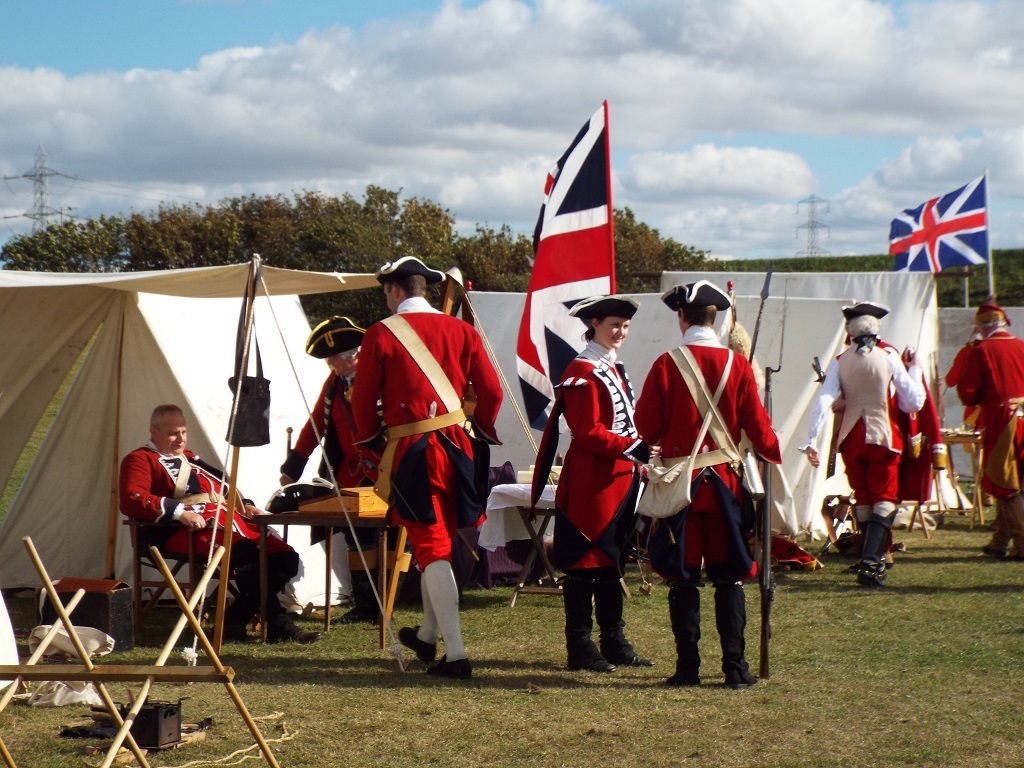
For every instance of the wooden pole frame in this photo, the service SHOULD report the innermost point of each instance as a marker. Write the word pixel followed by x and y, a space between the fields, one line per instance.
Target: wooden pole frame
pixel 115 459
pixel 147 675
pixel 233 497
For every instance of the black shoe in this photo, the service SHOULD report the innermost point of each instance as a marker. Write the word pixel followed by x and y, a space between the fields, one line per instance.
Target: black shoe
pixel 460 669
pixel 291 632
pixel 871 578
pixel 993 552
pixel 235 633
pixel 593 664
pixel 740 680
pixel 424 651
pixel 357 616
pixel 630 661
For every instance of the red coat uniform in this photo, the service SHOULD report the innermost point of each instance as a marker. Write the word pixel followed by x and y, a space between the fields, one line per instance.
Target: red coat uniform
pixel 336 429
pixel 146 488
pixel 993 376
pixel 715 526
pixel 956 370
pixel 432 475
pixel 596 493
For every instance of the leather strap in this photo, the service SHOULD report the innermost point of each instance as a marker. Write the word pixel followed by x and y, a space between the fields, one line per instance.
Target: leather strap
pixel 427 363
pixel 707 404
pixel 399 326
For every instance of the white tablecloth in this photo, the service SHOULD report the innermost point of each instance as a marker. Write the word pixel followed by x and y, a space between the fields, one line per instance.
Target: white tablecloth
pixel 503 523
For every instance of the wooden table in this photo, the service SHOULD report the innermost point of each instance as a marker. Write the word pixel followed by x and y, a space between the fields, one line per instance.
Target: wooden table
pixel 514 498
pixel 972 442
pixel 389 564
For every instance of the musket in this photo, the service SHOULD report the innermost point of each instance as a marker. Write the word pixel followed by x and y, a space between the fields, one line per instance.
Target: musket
pixel 837 418
pixel 766 580
pixel 760 309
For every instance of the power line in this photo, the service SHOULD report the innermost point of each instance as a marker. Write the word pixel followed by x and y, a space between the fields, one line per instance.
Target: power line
pixel 812 226
pixel 40 175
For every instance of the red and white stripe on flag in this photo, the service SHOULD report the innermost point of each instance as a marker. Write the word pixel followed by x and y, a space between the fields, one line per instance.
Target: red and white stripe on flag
pixel 574 257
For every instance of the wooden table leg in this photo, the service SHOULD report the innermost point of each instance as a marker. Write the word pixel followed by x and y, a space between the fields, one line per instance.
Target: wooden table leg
pixel 329 564
pixel 537 550
pixel 382 582
pixel 263 583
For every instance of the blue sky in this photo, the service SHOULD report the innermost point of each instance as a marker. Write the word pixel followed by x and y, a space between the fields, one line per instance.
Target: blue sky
pixel 724 113
pixel 80 37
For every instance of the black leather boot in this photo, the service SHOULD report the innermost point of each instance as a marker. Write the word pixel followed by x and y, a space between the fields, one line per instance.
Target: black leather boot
pixel 608 605
pixel 364 607
pixel 578 594
pixel 871 568
pixel 684 614
pixel 731 621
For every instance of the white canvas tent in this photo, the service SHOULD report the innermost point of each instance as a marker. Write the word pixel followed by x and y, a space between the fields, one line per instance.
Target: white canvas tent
pixel 810 304
pixel 152 337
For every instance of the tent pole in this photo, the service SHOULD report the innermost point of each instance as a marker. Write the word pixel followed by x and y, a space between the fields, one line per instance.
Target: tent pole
pixel 112 511
pixel 233 496
pixel 233 499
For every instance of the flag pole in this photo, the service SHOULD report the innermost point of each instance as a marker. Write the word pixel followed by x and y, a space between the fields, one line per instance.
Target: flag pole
pixel 608 185
pixel 988 240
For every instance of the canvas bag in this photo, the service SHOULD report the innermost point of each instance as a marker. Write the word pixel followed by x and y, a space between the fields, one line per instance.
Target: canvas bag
pixel 250 422
pixel 665 495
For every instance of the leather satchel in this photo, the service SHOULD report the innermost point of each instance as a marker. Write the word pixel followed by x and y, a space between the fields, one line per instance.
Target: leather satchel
pixel 669 485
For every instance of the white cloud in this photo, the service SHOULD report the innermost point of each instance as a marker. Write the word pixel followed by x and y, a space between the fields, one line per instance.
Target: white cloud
pixel 707 170
pixel 470 106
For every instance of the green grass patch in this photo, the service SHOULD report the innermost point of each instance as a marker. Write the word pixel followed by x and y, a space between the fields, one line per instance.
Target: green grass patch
pixel 925 672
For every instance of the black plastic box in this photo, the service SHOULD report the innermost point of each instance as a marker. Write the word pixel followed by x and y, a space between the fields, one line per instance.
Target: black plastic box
pixel 107 606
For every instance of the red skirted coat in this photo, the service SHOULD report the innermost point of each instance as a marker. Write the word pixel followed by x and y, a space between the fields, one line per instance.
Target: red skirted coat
pixel 993 376
pixel 956 370
pixel 720 508
pixel 351 463
pixel 432 476
pixel 596 493
pixel 922 432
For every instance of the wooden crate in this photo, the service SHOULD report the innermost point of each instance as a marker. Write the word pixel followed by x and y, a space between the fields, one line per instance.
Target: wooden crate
pixel 362 501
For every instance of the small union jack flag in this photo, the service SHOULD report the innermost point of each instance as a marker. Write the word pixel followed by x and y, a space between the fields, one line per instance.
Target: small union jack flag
pixel 949 231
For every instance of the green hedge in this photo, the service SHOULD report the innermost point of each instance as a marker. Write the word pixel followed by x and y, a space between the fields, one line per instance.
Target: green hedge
pixel 1009 274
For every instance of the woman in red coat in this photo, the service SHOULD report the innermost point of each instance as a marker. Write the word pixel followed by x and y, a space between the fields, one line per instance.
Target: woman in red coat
pixel 597 488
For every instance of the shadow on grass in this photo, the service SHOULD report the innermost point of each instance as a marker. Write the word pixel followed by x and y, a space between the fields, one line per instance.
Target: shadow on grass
pixel 893 585
pixel 383 673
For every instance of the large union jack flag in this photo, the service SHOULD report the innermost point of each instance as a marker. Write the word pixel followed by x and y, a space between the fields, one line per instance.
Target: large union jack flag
pixel 574 257
pixel 949 231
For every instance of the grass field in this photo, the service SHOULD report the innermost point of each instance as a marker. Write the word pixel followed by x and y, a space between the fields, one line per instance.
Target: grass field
pixel 926 672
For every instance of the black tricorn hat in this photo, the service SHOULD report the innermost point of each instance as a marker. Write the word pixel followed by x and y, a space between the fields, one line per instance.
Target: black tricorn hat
pixel 407 266
pixel 697 295
pixel 865 308
pixel 598 307
pixel 331 337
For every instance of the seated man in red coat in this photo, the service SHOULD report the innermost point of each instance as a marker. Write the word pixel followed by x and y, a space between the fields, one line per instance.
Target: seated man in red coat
pixel 154 488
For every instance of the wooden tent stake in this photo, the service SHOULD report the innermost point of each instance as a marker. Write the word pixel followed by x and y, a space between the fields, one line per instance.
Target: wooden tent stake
pixel 83 654
pixel 98 675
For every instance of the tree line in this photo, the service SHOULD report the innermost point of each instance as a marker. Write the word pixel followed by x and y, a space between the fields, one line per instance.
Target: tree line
pixel 313 231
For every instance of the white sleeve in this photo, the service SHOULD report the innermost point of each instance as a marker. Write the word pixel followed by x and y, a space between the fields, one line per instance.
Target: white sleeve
pixel 827 395
pixel 909 384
